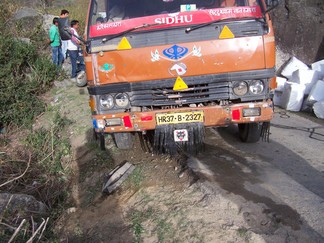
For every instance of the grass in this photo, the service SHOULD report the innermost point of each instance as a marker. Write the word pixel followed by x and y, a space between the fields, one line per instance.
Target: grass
pixel 26 73
pixel 136 178
pixel 164 230
pixel 137 219
pixel 78 11
pixel 244 234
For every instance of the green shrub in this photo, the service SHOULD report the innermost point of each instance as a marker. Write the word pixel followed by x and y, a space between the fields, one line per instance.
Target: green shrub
pixel 23 76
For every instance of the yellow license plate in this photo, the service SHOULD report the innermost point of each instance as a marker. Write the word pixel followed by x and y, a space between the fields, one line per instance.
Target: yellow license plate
pixel 183 117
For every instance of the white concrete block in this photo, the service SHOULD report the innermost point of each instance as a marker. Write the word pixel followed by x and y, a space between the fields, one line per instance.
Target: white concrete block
pixel 305 77
pixel 292 97
pixel 277 98
pixel 292 65
pixel 318 108
pixel 280 83
pixel 319 67
pixel 316 93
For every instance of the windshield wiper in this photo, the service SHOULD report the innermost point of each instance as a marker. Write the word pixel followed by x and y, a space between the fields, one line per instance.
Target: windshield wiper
pixel 130 30
pixel 189 29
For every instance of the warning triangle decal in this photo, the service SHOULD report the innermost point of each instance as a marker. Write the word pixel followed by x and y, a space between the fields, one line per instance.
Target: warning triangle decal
pixel 226 33
pixel 179 84
pixel 124 44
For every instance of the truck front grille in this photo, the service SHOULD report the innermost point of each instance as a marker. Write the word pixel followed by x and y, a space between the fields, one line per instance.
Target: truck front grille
pixel 197 92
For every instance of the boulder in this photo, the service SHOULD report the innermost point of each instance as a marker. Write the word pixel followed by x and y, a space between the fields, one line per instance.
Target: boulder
pixel 26 23
pixel 21 205
pixel 47 21
pixel 298 27
pixel 31 3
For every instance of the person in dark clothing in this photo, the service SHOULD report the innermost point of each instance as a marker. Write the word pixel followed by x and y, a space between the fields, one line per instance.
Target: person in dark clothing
pixel 65 37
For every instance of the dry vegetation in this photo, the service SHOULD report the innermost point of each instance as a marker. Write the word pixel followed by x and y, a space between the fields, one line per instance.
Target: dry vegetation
pixel 32 161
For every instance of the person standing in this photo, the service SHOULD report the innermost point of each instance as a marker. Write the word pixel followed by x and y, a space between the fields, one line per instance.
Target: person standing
pixel 73 48
pixel 63 24
pixel 54 37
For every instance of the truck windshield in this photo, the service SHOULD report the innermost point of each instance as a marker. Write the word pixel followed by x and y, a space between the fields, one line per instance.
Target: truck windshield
pixel 111 17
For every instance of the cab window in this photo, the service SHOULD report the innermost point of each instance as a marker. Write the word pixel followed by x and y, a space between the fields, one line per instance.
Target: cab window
pixel 117 10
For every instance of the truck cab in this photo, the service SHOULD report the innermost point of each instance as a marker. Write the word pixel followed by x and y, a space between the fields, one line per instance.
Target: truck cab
pixel 170 68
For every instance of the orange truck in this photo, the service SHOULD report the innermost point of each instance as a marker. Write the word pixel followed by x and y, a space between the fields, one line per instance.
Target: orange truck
pixel 166 69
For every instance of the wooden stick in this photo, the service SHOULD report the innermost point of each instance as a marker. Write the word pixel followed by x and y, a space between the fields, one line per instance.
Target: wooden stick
pixel 9 226
pixel 43 230
pixel 35 233
pixel 17 230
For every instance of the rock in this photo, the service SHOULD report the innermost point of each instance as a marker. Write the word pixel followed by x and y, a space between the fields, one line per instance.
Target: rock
pixel 21 205
pixel 27 23
pixel 31 3
pixel 299 24
pixel 47 21
pixel 25 40
pixel 26 13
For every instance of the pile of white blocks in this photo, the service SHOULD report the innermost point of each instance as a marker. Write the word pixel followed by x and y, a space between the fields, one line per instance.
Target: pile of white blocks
pixel 301 87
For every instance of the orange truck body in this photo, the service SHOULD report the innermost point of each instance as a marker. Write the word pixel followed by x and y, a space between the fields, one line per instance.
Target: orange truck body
pixel 168 66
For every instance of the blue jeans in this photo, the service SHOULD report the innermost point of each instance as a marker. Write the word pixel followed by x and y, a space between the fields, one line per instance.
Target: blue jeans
pixel 74 57
pixel 57 55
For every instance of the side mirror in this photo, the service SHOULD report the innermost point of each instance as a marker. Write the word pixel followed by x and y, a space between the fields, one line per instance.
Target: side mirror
pixel 88 48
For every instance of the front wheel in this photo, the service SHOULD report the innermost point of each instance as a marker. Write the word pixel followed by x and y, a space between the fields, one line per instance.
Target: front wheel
pixel 250 132
pixel 124 140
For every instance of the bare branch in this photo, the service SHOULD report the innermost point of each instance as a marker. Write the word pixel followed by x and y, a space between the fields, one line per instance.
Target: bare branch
pixel 9 226
pixel 35 233
pixel 18 177
pixel 43 230
pixel 33 224
pixel 17 230
pixel 6 206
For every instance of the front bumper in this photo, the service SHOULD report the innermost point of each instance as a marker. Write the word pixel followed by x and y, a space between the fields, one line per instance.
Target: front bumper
pixel 212 116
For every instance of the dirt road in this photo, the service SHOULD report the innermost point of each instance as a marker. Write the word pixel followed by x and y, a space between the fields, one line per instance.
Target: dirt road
pixel 232 192
pixel 284 178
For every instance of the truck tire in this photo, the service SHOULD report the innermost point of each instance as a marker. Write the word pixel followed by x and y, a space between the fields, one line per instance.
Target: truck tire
pixel 100 138
pixel 102 142
pixel 124 140
pixel 249 132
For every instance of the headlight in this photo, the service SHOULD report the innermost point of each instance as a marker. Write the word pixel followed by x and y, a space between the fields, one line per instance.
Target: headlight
pixel 256 87
pixel 106 101
pixel 240 88
pixel 122 100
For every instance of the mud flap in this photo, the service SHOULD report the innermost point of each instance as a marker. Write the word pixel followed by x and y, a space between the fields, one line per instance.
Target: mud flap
pixel 189 136
pixel 265 132
pixel 117 176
